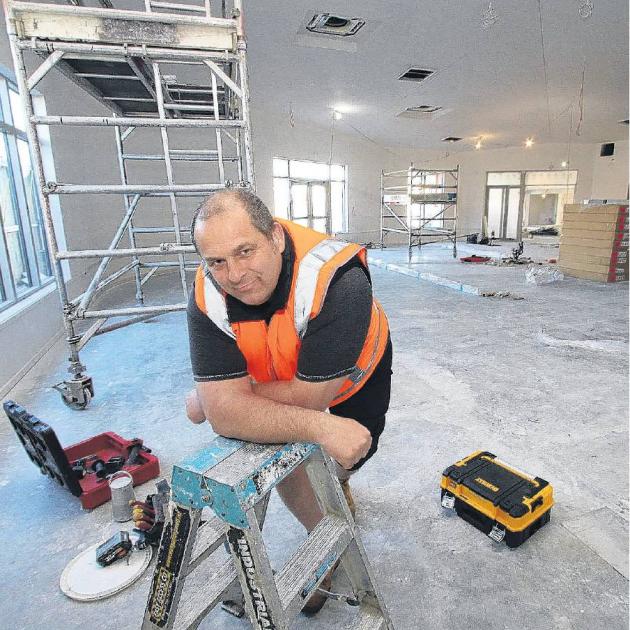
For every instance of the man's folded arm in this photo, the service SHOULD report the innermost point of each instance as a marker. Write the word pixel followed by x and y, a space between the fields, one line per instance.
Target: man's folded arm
pixel 306 394
pixel 234 410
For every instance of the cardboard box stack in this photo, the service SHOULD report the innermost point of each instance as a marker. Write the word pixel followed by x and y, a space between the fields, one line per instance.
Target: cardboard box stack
pixel 594 242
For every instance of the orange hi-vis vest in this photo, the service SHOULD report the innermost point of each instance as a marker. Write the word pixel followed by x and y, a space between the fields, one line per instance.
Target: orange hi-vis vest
pixel 272 350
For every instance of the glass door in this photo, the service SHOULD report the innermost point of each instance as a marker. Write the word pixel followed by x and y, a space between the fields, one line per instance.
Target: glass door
pixel 502 211
pixel 310 202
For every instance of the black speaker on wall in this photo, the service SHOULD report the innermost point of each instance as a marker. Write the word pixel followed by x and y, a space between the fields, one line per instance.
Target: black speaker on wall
pixel 607 149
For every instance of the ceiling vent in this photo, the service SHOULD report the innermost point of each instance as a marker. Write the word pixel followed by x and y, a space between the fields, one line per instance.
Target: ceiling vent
pixel 416 74
pixel 329 24
pixel 424 112
pixel 451 139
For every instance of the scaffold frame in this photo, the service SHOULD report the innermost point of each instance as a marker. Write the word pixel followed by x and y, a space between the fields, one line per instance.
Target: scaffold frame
pixel 75 39
pixel 436 201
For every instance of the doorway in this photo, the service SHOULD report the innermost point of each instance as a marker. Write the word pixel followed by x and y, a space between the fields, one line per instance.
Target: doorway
pixel 502 211
pixel 310 205
pixel 519 202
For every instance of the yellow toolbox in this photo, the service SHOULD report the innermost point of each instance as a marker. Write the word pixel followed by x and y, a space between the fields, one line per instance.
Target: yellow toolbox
pixel 501 501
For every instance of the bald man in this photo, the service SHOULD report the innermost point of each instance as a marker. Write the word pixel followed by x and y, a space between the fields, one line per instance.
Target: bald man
pixel 283 326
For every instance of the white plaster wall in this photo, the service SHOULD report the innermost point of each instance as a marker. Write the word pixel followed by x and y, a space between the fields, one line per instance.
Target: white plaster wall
pixel 474 165
pixel 274 136
pixel 610 174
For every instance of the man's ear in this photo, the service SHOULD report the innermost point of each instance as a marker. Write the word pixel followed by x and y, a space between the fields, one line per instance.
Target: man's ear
pixel 277 236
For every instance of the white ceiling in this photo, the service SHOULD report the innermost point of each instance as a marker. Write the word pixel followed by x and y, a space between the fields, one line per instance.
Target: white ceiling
pixel 491 79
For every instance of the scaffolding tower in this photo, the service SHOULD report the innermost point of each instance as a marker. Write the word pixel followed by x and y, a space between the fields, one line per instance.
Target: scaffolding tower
pixel 125 60
pixel 421 204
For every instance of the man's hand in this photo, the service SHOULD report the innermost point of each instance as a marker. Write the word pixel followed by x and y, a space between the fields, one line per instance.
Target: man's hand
pixel 345 440
pixel 194 411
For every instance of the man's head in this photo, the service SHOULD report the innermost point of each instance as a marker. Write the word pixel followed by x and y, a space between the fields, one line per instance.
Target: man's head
pixel 242 245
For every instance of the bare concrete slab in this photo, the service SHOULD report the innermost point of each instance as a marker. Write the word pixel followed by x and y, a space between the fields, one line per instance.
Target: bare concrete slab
pixel 469 373
pixel 606 533
pixel 435 263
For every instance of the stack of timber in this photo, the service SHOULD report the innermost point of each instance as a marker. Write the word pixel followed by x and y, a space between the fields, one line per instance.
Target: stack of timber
pixel 594 242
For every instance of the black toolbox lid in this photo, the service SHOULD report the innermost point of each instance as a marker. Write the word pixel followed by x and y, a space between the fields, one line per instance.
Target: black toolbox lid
pixel 42 446
pixel 495 483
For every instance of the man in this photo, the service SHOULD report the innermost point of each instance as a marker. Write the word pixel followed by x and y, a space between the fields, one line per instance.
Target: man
pixel 282 327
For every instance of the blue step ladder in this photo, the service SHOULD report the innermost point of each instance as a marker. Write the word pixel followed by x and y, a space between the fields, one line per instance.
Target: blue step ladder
pixel 231 480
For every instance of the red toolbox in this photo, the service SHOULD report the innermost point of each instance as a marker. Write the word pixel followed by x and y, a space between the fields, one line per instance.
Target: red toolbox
pixel 64 465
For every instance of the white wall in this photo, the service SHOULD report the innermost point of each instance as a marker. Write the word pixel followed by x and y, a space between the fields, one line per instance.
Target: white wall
pixel 610 174
pixel 474 165
pixel 273 136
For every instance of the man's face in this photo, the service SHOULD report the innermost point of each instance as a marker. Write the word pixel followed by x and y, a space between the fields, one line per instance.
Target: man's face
pixel 243 261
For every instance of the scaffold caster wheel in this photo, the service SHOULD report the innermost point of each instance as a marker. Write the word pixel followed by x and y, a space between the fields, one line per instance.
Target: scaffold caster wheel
pixel 76 394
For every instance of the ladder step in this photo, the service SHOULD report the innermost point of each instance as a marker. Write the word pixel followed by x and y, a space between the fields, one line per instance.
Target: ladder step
pixel 202 594
pixel 369 619
pixel 210 536
pixel 311 562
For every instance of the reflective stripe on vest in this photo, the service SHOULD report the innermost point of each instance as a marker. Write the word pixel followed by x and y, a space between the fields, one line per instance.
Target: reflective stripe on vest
pixel 306 282
pixel 216 308
pixel 357 375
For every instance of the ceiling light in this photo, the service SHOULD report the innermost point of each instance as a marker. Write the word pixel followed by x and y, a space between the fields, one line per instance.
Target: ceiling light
pixel 564 164
pixel 529 142
pixel 478 144
pixel 344 108
pixel 337 115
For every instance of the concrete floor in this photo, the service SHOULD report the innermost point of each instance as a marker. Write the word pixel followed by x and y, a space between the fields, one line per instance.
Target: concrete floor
pixel 542 382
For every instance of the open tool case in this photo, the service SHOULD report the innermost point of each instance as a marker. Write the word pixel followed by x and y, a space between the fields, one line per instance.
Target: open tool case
pixel 501 501
pixel 43 448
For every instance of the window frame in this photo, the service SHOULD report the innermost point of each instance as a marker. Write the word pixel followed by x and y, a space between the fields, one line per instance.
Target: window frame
pixel 22 200
pixel 309 181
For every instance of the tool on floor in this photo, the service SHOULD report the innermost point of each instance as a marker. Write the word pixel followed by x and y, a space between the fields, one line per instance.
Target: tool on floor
pixel 85 579
pixel 81 468
pixel 498 499
pixel 234 480
pixel 149 516
pixel 116 548
pixel 475 259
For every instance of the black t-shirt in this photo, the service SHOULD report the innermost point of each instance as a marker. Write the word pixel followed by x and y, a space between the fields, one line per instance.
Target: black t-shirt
pixel 330 347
